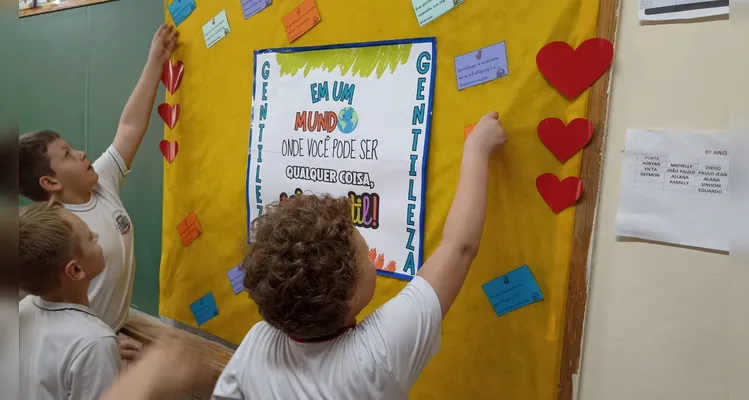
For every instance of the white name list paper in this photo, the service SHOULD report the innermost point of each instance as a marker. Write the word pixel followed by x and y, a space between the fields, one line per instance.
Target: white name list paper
pixel 675 188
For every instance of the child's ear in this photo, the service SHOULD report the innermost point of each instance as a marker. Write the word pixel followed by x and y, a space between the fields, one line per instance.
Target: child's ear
pixel 74 271
pixel 49 184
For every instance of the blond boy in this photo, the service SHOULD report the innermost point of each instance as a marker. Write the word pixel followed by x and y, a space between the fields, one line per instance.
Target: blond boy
pixel 66 351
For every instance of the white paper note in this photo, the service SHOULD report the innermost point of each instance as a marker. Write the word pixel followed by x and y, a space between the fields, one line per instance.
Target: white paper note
pixel 675 188
pixel 216 29
pixel 669 10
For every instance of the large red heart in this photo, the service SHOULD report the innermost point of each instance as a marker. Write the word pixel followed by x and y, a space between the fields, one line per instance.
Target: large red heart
pixel 169 149
pixel 171 75
pixel 565 141
pixel 169 113
pixel 559 195
pixel 573 71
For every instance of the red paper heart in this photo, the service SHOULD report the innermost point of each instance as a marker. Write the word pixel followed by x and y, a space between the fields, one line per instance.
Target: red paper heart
pixel 565 141
pixel 171 75
pixel 169 149
pixel 573 71
pixel 559 195
pixel 169 113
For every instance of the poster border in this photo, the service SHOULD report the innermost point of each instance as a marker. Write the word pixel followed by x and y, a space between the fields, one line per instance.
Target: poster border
pixel 427 134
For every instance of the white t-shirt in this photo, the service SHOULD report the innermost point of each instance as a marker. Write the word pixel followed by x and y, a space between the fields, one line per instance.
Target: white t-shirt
pixel 378 359
pixel 110 293
pixel 66 351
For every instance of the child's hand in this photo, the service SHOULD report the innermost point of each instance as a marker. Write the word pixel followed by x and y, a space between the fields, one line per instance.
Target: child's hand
pixel 487 137
pixel 172 367
pixel 163 44
pixel 129 349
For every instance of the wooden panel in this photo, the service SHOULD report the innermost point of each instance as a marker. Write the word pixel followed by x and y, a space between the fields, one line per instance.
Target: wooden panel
pixel 62 5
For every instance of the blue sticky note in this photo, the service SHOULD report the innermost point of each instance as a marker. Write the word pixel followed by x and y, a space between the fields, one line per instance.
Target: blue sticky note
pixel 236 277
pixel 481 66
pixel 252 7
pixel 512 290
pixel 204 309
pixel 428 10
pixel 180 10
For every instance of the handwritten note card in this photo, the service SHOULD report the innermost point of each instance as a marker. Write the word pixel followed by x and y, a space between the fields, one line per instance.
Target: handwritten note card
pixel 216 29
pixel 481 66
pixel 236 277
pixel 204 309
pixel 301 19
pixel 189 229
pixel 513 290
pixel 180 10
pixel 252 7
pixel 428 10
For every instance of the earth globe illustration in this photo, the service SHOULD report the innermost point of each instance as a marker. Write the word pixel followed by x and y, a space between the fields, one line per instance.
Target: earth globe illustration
pixel 348 119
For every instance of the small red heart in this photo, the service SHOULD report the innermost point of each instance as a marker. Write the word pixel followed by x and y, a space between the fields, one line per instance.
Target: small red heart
pixel 565 141
pixel 573 71
pixel 559 195
pixel 171 75
pixel 169 149
pixel 169 113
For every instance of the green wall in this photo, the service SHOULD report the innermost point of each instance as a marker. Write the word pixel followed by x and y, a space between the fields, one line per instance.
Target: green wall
pixel 77 70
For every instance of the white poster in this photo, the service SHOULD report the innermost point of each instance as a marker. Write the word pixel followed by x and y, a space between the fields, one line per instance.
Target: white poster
pixel 349 120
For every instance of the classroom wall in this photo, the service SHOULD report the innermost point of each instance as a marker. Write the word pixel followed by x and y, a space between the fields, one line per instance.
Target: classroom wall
pixel 77 70
pixel 666 322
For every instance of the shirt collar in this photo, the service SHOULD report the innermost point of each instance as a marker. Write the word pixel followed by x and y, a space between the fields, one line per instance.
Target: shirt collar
pixel 55 306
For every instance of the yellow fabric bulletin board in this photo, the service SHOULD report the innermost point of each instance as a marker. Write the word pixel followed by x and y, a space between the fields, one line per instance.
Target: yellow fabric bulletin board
pixel 516 356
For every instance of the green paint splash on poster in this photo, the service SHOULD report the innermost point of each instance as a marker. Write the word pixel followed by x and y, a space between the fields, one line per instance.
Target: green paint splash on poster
pixel 362 61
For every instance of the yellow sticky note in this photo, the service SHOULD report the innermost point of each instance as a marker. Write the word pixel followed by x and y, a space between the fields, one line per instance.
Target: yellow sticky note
pixel 301 19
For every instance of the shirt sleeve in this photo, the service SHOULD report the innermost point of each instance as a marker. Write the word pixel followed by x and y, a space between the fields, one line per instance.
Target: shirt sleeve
pixel 406 331
pixel 94 369
pixel 112 169
pixel 227 386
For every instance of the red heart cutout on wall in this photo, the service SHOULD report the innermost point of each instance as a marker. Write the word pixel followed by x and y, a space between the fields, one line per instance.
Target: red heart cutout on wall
pixel 573 71
pixel 559 195
pixel 564 141
pixel 169 149
pixel 169 113
pixel 171 75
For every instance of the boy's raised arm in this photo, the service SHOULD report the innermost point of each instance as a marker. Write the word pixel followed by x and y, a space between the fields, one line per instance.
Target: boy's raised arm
pixel 137 112
pixel 447 268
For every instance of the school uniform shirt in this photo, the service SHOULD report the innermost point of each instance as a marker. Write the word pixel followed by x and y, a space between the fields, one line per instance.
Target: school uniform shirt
pixel 110 293
pixel 66 352
pixel 378 359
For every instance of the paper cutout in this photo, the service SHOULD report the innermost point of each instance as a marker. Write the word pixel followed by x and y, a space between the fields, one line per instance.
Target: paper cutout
pixel 215 29
pixel 252 7
pixel 559 195
pixel 25 4
pixel 189 229
pixel 169 149
pixel 236 278
pixel 481 66
pixel 204 309
pixel 565 141
pixel 468 129
pixel 428 10
pixel 169 113
pixel 180 10
pixel 301 19
pixel 573 71
pixel 512 290
pixel 171 75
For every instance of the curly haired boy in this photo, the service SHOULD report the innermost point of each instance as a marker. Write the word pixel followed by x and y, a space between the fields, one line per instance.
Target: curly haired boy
pixel 310 275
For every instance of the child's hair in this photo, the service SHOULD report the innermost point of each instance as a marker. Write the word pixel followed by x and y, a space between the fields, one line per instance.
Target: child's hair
pixel 303 269
pixel 34 162
pixel 46 242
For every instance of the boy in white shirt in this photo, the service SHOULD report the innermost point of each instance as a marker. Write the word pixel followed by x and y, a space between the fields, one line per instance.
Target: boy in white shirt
pixel 66 352
pixel 50 167
pixel 310 274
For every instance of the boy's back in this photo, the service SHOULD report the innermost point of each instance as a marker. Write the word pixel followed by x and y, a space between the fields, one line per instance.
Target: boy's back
pixel 66 351
pixel 378 359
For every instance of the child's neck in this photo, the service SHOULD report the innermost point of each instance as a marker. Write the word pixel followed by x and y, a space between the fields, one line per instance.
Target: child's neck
pixel 67 197
pixel 70 296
